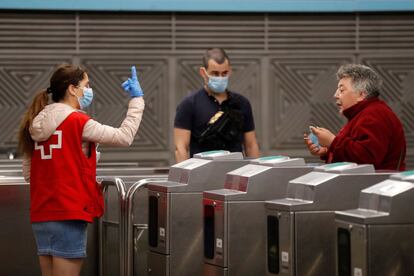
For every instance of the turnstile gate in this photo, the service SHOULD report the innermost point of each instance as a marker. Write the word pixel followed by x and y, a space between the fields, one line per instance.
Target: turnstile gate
pixel 234 229
pixel 301 227
pixel 377 239
pixel 175 212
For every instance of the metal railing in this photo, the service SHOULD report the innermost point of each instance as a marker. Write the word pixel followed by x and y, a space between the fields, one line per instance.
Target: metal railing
pixel 131 241
pixel 120 187
pixel 126 240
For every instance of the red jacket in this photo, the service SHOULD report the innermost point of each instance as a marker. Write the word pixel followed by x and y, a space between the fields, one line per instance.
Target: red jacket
pixel 373 135
pixel 62 179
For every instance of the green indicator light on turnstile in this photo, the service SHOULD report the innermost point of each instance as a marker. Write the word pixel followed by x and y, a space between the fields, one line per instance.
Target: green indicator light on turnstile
pixel 211 152
pixel 407 173
pixel 338 164
pixel 275 157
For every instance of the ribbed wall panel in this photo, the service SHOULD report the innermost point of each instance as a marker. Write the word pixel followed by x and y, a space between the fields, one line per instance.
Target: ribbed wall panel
pixel 124 33
pixel 311 32
pixel 232 32
pixel 37 33
pixel 387 32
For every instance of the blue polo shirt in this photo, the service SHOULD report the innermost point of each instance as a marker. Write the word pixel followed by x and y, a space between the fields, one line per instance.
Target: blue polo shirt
pixel 196 109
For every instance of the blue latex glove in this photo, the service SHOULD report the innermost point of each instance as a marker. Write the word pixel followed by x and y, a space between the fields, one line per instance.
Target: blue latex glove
pixel 132 85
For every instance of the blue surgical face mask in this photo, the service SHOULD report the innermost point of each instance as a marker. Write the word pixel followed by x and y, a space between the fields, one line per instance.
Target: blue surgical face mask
pixel 217 84
pixel 86 99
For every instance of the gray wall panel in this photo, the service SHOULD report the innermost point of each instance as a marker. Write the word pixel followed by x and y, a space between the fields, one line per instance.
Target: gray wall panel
pixel 107 73
pixel 302 88
pixel 21 76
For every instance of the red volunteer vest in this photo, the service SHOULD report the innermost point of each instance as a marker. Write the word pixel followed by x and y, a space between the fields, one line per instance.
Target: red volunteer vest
pixel 62 179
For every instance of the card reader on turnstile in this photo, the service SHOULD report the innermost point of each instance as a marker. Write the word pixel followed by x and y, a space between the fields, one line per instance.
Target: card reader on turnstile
pixel 301 227
pixel 176 212
pixel 234 231
pixel 378 238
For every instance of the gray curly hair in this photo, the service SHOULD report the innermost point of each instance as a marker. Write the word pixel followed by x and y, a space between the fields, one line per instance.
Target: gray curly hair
pixel 363 79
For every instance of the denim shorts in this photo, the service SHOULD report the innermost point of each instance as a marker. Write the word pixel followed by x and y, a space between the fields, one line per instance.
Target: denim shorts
pixel 65 239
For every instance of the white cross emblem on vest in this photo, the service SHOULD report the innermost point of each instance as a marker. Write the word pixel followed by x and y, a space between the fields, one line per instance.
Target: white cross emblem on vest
pixel 51 146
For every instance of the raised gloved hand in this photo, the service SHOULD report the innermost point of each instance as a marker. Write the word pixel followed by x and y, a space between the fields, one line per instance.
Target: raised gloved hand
pixel 132 85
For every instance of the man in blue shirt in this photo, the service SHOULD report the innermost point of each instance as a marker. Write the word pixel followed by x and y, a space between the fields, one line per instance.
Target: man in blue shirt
pixel 213 117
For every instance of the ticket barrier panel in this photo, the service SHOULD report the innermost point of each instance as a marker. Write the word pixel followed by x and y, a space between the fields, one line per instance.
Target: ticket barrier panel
pixel 175 212
pixel 301 227
pixel 376 239
pixel 18 246
pixel 234 229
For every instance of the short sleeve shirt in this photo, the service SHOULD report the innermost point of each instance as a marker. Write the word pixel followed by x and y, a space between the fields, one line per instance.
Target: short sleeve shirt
pixel 196 109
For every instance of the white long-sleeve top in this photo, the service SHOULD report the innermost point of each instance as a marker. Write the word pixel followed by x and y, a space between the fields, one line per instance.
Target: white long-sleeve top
pixel 46 122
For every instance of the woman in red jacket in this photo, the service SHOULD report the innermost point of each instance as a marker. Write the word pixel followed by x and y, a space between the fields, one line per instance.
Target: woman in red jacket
pixel 58 144
pixel 373 134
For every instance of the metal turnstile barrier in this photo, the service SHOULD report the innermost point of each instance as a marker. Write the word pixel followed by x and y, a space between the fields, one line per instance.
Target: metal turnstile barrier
pixel 136 230
pixel 234 229
pixel 175 234
pixel 301 226
pixel 376 239
pixel 18 247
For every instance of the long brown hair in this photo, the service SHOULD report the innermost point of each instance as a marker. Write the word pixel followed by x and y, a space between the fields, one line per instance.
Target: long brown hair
pixel 64 76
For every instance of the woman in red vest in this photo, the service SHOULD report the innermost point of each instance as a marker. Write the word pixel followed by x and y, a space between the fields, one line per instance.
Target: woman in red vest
pixel 58 144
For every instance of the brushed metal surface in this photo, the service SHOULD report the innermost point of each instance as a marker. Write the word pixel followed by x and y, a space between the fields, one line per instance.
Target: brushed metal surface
pixel 315 238
pixel 380 250
pixel 158 264
pixel 246 238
